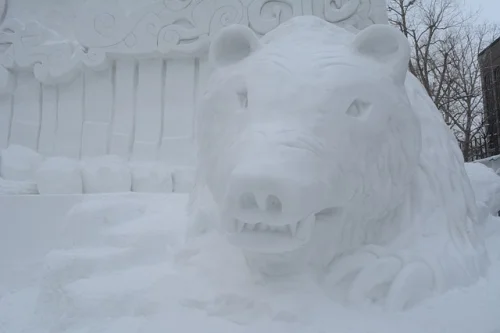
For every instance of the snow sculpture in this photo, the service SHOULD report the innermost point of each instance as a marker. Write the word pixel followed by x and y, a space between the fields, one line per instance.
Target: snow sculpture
pixel 317 147
pixel 151 177
pixel 91 78
pixel 106 174
pixel 486 185
pixel 59 175
pixel 19 163
pixel 24 171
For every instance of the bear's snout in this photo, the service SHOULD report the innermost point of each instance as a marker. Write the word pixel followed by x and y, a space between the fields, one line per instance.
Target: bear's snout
pixel 272 198
pixel 271 192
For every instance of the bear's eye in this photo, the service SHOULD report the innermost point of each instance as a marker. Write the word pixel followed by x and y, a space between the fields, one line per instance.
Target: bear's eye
pixel 243 98
pixel 359 109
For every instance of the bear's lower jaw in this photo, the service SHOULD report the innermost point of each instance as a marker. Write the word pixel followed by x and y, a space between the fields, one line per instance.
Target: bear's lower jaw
pixel 267 238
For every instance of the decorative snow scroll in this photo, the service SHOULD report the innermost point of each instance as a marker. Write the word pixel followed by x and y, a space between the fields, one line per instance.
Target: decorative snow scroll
pixel 166 29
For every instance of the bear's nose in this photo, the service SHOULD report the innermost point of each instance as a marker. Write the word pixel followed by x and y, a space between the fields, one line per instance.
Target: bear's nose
pixel 248 201
pixel 274 195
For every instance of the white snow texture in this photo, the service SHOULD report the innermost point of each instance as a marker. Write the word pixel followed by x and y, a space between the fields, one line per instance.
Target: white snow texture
pixel 344 184
pixel 486 185
pixel 347 170
pixel 120 263
pixel 24 171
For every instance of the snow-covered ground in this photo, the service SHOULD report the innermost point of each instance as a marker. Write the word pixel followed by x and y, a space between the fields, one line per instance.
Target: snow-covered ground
pixel 119 263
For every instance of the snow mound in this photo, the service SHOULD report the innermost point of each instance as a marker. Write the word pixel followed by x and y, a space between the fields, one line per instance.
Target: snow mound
pixel 184 179
pixel 137 273
pixel 151 177
pixel 12 187
pixel 106 174
pixel 19 163
pixel 24 171
pixel 486 185
pixel 59 175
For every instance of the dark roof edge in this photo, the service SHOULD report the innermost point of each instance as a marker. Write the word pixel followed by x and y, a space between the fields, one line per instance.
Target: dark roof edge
pixel 489 46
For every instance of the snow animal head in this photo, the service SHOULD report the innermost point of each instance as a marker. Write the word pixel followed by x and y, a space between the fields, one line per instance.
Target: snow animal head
pixel 308 126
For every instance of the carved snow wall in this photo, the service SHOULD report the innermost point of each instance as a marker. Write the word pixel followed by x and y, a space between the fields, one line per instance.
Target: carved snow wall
pixel 142 109
pixel 128 82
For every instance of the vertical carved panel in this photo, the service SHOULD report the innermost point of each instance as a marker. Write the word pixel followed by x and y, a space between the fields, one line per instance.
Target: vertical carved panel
pixel 149 103
pixel 70 119
pixel 48 129
pixel 98 111
pixel 180 85
pixel 5 119
pixel 179 98
pixel 123 121
pixel 204 71
pixel 26 118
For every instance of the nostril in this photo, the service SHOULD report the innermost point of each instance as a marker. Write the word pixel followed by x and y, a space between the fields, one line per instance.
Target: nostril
pixel 273 204
pixel 248 201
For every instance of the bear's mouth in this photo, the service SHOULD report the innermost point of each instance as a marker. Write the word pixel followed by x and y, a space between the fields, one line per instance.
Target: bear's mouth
pixel 297 229
pixel 273 238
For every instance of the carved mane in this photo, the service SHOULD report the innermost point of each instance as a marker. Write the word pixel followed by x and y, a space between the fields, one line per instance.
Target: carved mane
pixel 440 186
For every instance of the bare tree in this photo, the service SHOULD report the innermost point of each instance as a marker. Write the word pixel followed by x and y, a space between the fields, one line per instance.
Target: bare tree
pixel 465 103
pixel 445 43
pixel 428 24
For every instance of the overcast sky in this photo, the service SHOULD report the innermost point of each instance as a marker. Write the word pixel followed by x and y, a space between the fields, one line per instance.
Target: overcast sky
pixel 490 9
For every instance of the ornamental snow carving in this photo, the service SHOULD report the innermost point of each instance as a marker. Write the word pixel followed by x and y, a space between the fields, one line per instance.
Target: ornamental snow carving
pixel 317 149
pixel 163 28
pixel 178 27
pixel 53 60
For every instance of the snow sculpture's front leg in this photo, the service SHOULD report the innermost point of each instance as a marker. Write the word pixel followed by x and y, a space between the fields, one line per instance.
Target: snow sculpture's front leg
pixel 377 274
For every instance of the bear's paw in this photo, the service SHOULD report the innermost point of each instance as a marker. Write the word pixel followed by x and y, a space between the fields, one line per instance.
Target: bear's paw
pixel 373 274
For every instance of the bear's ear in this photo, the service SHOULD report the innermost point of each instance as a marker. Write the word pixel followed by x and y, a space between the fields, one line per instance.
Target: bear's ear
pixel 232 44
pixel 387 46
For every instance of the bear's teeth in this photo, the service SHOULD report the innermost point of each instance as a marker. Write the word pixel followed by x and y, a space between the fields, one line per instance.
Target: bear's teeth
pixel 293 229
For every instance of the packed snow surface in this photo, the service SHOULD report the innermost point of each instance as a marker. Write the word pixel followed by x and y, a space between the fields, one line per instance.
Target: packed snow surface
pixel 121 263
pixel 486 184
pixel 19 163
pixel 151 177
pixel 59 175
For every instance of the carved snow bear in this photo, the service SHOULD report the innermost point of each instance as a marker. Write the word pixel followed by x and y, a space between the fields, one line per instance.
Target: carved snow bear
pixel 317 146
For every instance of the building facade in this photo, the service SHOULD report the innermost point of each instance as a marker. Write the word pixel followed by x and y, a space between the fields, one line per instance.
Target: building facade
pixel 489 60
